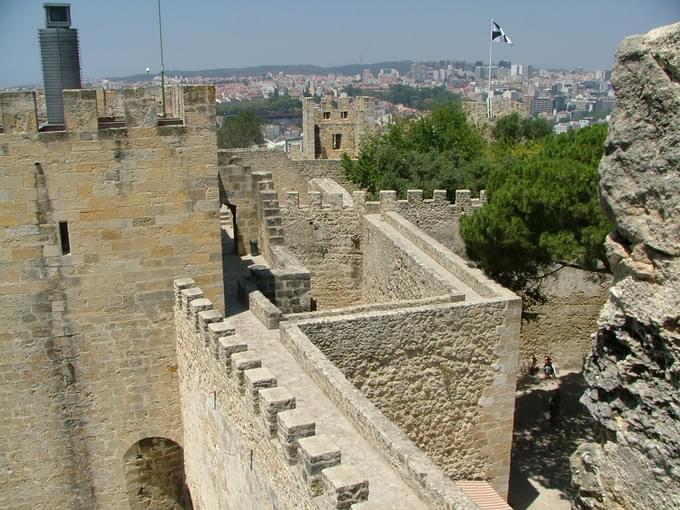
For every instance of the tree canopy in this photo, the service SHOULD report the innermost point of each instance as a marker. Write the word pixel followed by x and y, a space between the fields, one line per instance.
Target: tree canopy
pixel 243 130
pixel 425 98
pixel 437 151
pixel 543 210
pixel 514 128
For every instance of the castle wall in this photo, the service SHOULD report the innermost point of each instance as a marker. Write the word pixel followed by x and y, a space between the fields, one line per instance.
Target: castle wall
pixel 449 388
pixel 327 241
pixel 87 348
pixel 348 266
pixel 438 217
pixel 230 463
pixel 445 373
pixel 562 326
pixel 394 270
pixel 288 174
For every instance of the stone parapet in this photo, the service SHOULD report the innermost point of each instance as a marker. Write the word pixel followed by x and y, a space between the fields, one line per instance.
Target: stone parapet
pixel 291 432
pixel 87 111
pixel 457 266
pixel 415 467
pixel 324 195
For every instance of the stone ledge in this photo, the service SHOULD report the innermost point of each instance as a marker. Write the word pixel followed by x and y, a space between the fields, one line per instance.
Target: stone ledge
pixel 343 486
pixel 292 426
pixel 317 453
pixel 256 379
pixel 272 402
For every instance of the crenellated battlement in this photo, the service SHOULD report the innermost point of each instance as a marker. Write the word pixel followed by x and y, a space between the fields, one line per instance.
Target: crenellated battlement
pixel 227 365
pixel 96 109
pixel 463 203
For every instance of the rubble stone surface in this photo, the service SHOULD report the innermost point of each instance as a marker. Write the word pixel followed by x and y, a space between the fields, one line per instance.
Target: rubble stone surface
pixel 633 372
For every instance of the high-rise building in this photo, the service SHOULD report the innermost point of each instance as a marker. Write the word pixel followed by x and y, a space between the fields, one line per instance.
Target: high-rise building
pixel 60 58
pixel 560 103
pixel 540 105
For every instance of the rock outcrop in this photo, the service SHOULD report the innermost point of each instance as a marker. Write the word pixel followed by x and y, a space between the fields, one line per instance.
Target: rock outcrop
pixel 633 373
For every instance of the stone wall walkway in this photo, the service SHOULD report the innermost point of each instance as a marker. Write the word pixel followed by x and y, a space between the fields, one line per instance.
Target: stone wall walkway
pixel 386 488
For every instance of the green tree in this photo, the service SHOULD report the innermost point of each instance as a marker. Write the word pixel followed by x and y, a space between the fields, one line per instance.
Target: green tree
pixel 243 130
pixel 425 98
pixel 261 106
pixel 513 128
pixel 441 150
pixel 543 212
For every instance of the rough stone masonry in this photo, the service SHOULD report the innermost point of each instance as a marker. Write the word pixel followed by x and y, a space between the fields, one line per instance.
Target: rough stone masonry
pixel 633 372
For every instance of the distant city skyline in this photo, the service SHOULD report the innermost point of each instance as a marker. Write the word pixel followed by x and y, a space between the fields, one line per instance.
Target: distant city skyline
pixel 120 38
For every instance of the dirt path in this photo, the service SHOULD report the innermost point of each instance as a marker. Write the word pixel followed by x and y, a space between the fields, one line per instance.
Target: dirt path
pixel 540 474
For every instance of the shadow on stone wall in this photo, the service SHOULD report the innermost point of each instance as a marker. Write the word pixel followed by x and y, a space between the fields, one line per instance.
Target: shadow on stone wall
pixel 541 449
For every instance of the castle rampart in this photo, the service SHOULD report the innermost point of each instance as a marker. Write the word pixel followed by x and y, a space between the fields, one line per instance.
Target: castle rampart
pixel 257 441
pixel 288 173
pixel 470 362
pixel 328 237
pixel 104 211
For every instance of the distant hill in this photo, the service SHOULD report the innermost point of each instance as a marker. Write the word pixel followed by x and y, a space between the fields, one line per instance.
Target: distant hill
pixel 402 66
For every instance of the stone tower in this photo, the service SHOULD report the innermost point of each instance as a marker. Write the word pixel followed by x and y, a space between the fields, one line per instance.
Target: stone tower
pixel 330 131
pixel 99 219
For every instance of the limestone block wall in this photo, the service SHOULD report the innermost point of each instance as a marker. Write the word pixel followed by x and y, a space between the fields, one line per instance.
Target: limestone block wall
pixel 239 189
pixel 438 217
pixel 154 475
pixel 563 326
pixel 326 238
pixel 288 174
pixel 394 270
pixel 444 373
pixel 330 240
pixel 87 354
pixel 244 437
pixel 229 463
pixel 414 466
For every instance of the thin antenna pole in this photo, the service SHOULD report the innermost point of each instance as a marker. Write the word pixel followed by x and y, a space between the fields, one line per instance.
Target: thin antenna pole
pixel 160 33
pixel 489 111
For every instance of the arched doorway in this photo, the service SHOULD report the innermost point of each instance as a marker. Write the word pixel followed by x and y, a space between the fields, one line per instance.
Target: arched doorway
pixel 154 473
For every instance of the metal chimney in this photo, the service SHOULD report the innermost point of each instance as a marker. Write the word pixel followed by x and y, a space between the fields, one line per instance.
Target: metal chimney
pixel 60 58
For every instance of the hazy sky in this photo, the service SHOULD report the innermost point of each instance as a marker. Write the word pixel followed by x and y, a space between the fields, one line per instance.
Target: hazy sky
pixel 120 37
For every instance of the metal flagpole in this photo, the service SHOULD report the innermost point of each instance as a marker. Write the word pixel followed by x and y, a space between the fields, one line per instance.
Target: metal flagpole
pixel 160 33
pixel 489 112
